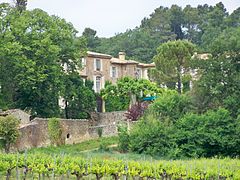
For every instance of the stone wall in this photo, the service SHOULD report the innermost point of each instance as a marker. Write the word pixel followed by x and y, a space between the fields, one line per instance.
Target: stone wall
pixel 35 133
pixel 21 115
pixel 111 120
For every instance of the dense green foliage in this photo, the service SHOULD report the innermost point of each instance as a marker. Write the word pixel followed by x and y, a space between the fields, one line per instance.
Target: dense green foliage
pixel 91 38
pixel 8 131
pixel 209 134
pixel 38 166
pixel 171 106
pixel 129 89
pixel 123 137
pixel 200 25
pixel 79 97
pixel 205 135
pixel 205 121
pixel 117 103
pixel 40 60
pixel 55 131
pixel 151 136
pixel 173 63
pixel 35 48
pixel 114 102
pixel 219 84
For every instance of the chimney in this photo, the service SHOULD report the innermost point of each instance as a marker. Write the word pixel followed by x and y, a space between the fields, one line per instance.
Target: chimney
pixel 121 55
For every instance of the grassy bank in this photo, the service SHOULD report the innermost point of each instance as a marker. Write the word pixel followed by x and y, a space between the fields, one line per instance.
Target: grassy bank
pixel 85 146
pixel 104 148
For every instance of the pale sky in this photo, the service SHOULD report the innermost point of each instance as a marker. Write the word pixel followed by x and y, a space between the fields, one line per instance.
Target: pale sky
pixel 109 17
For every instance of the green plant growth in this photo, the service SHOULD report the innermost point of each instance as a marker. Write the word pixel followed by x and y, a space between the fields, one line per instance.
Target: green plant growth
pixel 33 48
pixel 154 137
pixel 55 131
pixel 100 131
pixel 8 131
pixel 75 149
pixel 219 84
pixel 171 106
pixel 123 138
pixel 116 103
pixel 79 97
pixel 173 62
pixel 131 88
pixel 40 166
pixel 104 146
pixel 214 133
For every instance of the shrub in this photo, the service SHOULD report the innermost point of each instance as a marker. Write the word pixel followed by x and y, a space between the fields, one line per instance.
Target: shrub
pixel 8 131
pixel 123 138
pixel 171 105
pixel 55 131
pixel 210 134
pixel 214 133
pixel 100 131
pixel 152 136
pixel 117 103
pixel 104 146
pixel 136 111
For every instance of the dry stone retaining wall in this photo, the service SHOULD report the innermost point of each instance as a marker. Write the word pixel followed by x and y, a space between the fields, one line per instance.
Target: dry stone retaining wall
pixel 35 132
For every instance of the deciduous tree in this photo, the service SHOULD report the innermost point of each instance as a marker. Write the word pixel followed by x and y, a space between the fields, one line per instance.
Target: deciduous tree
pixel 219 85
pixel 33 47
pixel 133 88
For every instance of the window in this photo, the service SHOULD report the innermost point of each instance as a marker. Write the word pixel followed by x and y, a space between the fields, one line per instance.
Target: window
pixel 114 72
pixel 97 64
pixel 98 84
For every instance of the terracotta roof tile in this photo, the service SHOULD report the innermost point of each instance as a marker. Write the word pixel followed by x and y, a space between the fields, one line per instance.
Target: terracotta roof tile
pixel 90 53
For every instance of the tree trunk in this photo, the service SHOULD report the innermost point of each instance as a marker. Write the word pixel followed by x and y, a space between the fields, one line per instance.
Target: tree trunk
pixel 179 79
pixel 99 176
pixel 103 106
pixel 66 109
pixel 133 99
pixel 7 147
pixel 115 177
pixel 8 174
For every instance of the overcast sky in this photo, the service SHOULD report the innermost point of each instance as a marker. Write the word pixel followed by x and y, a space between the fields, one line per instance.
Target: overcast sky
pixel 109 17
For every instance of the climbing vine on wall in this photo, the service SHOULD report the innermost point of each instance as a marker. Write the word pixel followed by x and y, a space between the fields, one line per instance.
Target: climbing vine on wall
pixel 55 131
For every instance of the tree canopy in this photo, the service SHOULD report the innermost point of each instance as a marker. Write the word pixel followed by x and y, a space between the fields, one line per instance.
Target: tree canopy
pixel 219 85
pixel 200 25
pixel 35 48
pixel 131 88
pixel 173 62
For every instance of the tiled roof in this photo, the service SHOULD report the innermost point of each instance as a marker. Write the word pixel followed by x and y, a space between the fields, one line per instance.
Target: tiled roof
pixel 146 65
pixel 120 61
pixel 117 60
pixel 95 54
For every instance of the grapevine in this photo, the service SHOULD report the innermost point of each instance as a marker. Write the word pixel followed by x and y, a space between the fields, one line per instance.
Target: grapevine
pixel 42 165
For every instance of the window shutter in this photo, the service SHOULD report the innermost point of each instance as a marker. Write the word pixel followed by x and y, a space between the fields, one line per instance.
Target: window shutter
pixel 116 72
pixel 102 83
pixel 110 71
pixel 94 65
pixel 94 84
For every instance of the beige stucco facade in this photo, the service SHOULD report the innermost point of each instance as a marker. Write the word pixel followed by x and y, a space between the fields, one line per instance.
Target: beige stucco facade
pixel 100 68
